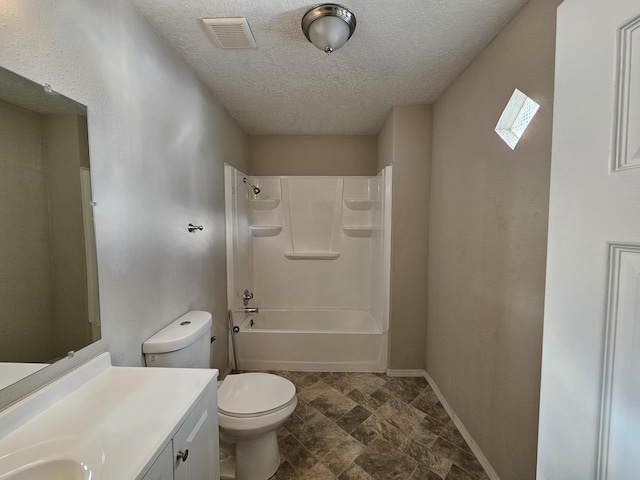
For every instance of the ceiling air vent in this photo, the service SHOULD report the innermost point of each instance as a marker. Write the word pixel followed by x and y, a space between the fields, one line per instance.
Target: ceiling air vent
pixel 230 32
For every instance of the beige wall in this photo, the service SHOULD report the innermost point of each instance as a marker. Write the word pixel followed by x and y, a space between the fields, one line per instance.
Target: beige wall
pixel 489 208
pixel 312 155
pixel 66 153
pixel 26 298
pixel 405 140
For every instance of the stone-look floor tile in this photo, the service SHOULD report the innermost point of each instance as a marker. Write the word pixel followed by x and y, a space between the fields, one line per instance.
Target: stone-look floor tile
pixel 401 415
pixel 463 459
pixel 304 411
pixel 285 472
pixel 353 418
pixel 381 395
pixel 405 388
pixel 340 381
pixel 304 380
pixel 434 425
pixel 383 461
pixel 313 391
pixel 295 453
pixel 432 461
pixel 456 473
pixel 342 455
pixel 332 404
pixel 281 433
pixel 374 427
pixel 452 435
pixel 321 435
pixel 427 396
pixel 354 472
pixel 294 424
pixel 318 472
pixel 315 447
pixel 366 382
pixel 291 376
pixel 422 472
pixel 366 432
pixel 434 410
pixel 418 443
pixel 366 401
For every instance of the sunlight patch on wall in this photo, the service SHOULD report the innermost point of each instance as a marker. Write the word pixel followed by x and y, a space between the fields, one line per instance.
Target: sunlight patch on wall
pixel 515 118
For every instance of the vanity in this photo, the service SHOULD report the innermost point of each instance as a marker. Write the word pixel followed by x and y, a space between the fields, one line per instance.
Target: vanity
pixel 101 422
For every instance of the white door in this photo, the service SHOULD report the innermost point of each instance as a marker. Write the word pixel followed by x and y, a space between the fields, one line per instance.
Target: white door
pixel 590 391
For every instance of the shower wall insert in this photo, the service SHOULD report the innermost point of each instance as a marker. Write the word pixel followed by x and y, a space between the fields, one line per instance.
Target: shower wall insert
pixel 315 252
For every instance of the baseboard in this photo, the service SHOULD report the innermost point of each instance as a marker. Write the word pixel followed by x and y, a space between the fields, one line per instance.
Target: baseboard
pixel 406 372
pixel 463 431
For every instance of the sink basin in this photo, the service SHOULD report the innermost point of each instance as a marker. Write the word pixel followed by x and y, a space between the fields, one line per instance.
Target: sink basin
pixel 65 458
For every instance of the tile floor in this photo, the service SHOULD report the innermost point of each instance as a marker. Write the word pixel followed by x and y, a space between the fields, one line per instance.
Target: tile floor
pixel 367 426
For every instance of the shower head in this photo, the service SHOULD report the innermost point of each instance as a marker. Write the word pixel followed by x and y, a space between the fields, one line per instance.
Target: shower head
pixel 256 190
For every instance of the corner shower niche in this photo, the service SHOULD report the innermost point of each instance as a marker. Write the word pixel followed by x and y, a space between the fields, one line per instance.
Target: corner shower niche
pixel 266 217
pixel 359 214
pixel 315 251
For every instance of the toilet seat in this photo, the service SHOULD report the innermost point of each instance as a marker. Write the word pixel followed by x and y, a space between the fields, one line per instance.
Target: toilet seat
pixel 249 395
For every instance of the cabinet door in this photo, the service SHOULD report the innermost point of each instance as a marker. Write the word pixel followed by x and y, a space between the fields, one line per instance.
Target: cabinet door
pixel 195 445
pixel 162 468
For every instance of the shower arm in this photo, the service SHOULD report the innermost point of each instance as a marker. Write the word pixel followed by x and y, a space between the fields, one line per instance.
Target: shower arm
pixel 255 189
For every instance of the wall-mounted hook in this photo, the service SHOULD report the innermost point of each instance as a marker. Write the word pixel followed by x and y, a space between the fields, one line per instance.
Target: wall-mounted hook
pixel 193 228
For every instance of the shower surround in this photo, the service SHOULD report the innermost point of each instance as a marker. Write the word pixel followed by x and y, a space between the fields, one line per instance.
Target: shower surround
pixel 315 252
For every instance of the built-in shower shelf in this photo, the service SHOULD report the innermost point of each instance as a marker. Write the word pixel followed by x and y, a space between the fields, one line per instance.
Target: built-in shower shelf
pixel 265 230
pixel 312 255
pixel 358 204
pixel 358 231
pixel 264 203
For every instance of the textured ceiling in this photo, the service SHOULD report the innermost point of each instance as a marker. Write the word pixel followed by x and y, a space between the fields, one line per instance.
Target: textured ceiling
pixel 402 52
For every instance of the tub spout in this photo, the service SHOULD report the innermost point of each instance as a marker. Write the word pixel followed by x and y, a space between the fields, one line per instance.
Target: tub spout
pixel 251 310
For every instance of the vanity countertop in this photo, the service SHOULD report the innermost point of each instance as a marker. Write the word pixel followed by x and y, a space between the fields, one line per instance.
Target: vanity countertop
pixel 131 412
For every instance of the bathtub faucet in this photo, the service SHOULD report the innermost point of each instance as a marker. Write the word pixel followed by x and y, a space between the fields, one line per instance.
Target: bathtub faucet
pixel 251 310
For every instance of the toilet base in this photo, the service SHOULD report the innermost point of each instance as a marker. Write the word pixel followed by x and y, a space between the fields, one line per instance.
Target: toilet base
pixel 227 461
pixel 253 459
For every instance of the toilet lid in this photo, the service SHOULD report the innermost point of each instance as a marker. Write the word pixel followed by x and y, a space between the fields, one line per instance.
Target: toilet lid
pixel 251 394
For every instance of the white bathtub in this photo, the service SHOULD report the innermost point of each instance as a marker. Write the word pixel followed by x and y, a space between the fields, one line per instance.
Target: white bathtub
pixel 311 340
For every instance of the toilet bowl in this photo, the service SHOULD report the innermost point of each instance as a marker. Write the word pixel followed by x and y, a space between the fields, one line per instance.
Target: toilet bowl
pixel 251 406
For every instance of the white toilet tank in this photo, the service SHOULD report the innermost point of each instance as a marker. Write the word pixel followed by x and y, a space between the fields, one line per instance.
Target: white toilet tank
pixel 184 343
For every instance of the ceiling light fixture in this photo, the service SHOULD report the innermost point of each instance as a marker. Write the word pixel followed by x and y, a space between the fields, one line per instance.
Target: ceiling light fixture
pixel 328 26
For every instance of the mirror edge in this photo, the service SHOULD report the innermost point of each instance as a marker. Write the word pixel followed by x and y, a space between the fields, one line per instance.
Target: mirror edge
pixel 34 382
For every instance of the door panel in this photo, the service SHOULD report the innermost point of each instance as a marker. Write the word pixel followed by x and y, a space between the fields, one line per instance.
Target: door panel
pixel 620 442
pixel 589 399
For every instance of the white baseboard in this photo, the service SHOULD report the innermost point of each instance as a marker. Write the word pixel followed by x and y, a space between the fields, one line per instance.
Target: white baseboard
pixel 463 431
pixel 406 372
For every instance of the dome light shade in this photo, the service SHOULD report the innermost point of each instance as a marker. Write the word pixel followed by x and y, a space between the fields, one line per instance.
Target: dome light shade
pixel 328 26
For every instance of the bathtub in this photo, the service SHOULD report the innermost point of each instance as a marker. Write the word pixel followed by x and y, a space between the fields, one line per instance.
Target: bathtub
pixel 311 340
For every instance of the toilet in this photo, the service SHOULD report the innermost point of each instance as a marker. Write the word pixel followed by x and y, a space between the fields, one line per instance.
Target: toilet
pixel 251 406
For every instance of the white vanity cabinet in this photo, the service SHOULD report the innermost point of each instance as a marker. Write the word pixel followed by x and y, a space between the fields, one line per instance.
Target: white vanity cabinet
pixel 195 445
pixel 162 468
pixel 192 454
pixel 118 423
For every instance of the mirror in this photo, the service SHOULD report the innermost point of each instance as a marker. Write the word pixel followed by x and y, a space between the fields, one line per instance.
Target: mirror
pixel 48 269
